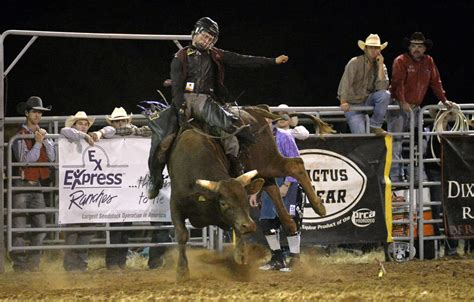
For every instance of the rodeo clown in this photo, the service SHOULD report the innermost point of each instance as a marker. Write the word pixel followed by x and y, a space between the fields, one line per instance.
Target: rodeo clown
pixel 288 186
pixel 198 91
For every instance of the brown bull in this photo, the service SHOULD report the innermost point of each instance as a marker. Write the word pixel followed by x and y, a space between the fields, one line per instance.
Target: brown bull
pixel 203 192
pixel 264 157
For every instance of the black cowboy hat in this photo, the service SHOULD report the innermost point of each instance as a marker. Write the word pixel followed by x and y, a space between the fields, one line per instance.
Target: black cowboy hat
pixel 33 102
pixel 418 38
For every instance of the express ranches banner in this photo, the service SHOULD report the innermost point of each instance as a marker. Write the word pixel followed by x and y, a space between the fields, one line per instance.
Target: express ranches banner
pixel 108 182
pixel 351 177
pixel 457 161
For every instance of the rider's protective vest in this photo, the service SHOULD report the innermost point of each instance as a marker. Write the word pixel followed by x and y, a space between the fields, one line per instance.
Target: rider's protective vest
pixel 210 84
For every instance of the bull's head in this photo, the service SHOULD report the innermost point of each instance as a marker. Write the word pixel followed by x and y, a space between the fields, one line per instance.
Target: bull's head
pixel 233 199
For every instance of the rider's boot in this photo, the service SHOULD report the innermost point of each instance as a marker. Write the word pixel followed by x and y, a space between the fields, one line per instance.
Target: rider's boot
pixel 156 181
pixel 236 166
pixel 162 128
pixel 216 116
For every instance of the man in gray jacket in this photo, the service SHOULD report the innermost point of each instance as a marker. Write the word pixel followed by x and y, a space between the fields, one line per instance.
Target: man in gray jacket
pixel 365 83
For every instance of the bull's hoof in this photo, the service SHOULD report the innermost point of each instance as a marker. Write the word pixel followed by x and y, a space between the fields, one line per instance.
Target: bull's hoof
pixel 182 275
pixel 320 209
pixel 240 257
pixel 290 226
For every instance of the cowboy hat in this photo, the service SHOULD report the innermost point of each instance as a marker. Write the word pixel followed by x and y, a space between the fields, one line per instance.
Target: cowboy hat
pixel 80 115
pixel 418 38
pixel 372 40
pixel 33 102
pixel 118 114
pixel 285 115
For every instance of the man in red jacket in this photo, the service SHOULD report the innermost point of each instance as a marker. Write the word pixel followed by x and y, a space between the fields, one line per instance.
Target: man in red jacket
pixel 412 73
pixel 36 150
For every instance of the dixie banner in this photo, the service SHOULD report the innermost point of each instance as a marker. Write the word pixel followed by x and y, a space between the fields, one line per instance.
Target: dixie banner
pixel 108 182
pixel 350 175
pixel 457 162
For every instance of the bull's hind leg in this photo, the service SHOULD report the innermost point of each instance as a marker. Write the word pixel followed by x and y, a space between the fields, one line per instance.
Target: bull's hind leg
pixel 285 218
pixel 294 167
pixel 182 236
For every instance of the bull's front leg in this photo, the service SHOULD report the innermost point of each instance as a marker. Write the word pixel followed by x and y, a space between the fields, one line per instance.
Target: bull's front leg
pixel 182 236
pixel 274 192
pixel 241 254
pixel 294 167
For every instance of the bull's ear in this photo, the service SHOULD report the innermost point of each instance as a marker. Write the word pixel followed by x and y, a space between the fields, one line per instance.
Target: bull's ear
pixel 245 178
pixel 255 186
pixel 209 185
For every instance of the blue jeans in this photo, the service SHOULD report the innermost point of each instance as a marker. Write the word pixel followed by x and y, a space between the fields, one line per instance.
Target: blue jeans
pixel 268 210
pixel 399 121
pixel 356 119
pixel 27 260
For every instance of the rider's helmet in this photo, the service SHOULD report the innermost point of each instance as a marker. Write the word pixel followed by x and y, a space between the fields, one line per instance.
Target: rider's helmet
pixel 208 26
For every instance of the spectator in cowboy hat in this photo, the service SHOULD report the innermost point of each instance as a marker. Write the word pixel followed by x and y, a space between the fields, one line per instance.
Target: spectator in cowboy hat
pixel 365 83
pixel 120 124
pixel 76 130
pixel 290 124
pixel 412 73
pixel 36 150
pixel 76 127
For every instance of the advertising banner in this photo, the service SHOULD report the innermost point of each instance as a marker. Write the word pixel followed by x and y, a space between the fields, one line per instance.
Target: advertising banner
pixel 457 162
pixel 350 175
pixel 108 182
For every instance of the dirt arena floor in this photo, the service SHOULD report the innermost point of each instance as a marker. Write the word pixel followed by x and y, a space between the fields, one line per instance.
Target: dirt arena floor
pixel 340 277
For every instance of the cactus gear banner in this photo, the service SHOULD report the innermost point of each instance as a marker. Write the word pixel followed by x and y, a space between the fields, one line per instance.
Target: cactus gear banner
pixel 457 162
pixel 350 175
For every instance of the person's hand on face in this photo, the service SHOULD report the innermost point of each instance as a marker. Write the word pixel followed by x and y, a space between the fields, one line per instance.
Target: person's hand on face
pixel 373 52
pixel 379 59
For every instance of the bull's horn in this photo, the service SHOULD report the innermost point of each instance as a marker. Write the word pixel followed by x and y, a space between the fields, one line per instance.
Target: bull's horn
pixel 245 178
pixel 207 184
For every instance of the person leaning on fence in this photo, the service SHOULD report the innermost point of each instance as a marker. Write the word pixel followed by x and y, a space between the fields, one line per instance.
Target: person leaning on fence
pixel 365 83
pixel 198 91
pixel 269 221
pixel 120 123
pixel 412 73
pixel 37 150
pixel 75 130
pixel 290 124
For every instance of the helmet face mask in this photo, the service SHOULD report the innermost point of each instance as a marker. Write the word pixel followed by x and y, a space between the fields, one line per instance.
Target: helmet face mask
pixel 205 33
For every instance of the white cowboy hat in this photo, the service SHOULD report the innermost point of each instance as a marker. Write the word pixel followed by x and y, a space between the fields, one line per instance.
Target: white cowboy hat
pixel 372 40
pixel 118 114
pixel 293 119
pixel 80 115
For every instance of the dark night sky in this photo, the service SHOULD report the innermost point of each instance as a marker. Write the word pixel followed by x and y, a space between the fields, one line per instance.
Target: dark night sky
pixel 318 36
